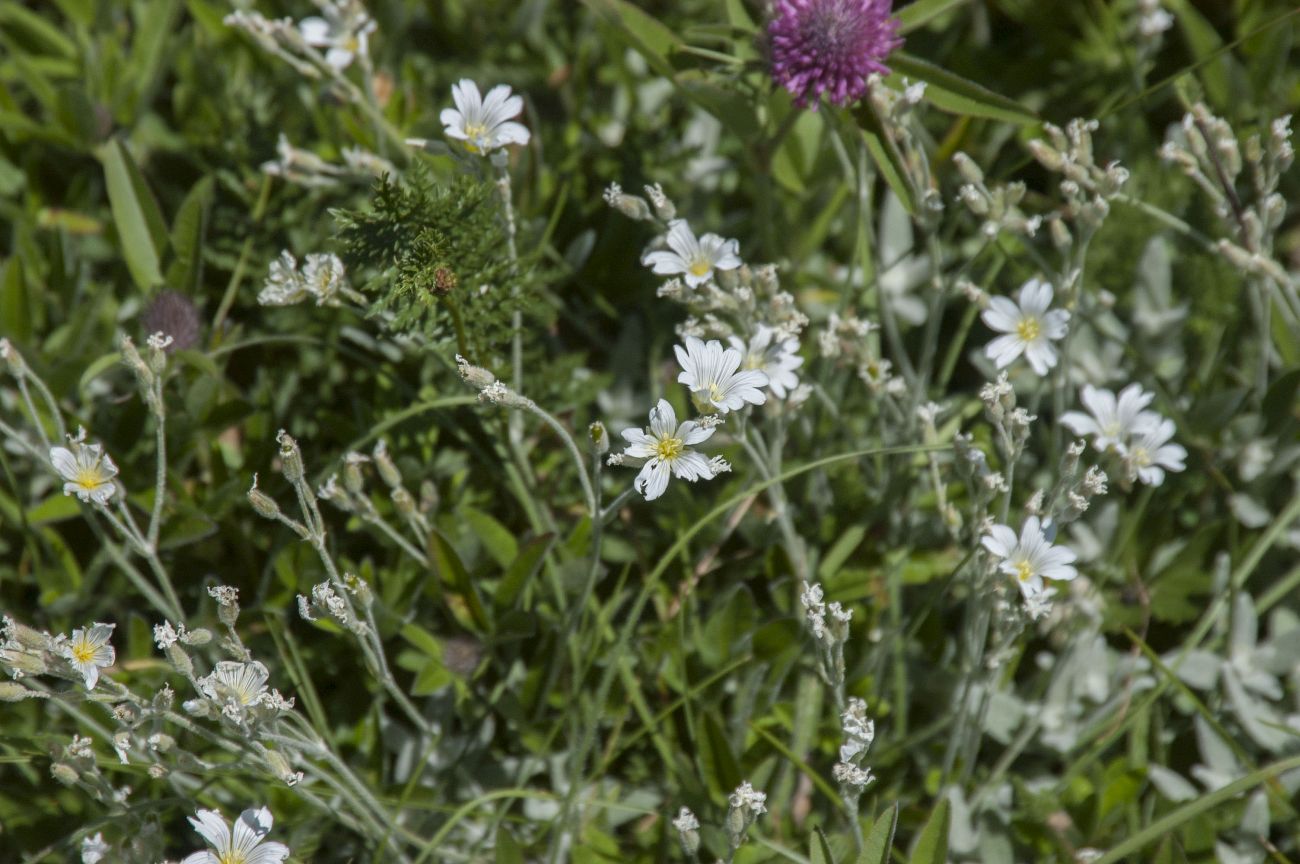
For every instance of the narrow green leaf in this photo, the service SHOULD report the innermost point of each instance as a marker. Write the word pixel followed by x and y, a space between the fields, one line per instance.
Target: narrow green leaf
pixel 717 761
pixel 139 224
pixel 840 552
pixel 890 169
pixel 920 13
pixel 422 639
pixel 880 842
pixel 15 305
pixel 33 31
pixel 819 851
pixel 957 95
pixel 932 844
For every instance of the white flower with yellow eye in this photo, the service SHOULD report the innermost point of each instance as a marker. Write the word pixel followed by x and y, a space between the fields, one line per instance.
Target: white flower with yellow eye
pixel 87 470
pixel 484 124
pixel 1031 557
pixel 772 355
pixel 694 259
pixel 88 651
pixel 712 374
pixel 1029 327
pixel 246 844
pixel 666 447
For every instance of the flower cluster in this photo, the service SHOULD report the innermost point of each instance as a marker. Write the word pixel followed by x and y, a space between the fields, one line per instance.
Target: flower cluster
pixel 1122 425
pixel 859 733
pixel 320 277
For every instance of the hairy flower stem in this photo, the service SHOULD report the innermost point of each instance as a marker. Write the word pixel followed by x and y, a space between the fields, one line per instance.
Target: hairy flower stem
pixel 131 534
pixel 160 477
pixel 506 191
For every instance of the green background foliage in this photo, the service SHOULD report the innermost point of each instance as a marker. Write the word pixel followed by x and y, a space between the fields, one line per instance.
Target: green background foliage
pixel 131 140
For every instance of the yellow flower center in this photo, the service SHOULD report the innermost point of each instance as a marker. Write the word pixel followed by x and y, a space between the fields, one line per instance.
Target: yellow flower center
pixel 232 857
pixel 89 478
pixel 1028 329
pixel 700 267
pixel 474 132
pixel 1141 457
pixel 1024 572
pixel 715 392
pixel 669 449
pixel 82 652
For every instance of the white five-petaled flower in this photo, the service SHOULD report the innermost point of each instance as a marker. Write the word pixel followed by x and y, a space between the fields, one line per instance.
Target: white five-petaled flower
pixel 1150 455
pixel 1111 421
pixel 711 373
pixel 87 470
pixel 1028 325
pixel 88 651
pixel 344 32
pixel 245 845
pixel 236 685
pixel 775 357
pixel 1031 557
pixel 694 259
pixel 484 124
pixel 666 447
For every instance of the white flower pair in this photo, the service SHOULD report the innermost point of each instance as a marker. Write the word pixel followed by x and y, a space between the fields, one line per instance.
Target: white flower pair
pixel 1140 437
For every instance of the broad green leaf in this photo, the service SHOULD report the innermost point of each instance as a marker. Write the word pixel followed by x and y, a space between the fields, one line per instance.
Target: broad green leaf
pixel 920 13
pixel 932 844
pixel 521 570
pixel 452 573
pixel 187 237
pixel 139 225
pixel 819 851
pixel 880 842
pixel 508 850
pixel 495 537
pixel 422 639
pixel 957 95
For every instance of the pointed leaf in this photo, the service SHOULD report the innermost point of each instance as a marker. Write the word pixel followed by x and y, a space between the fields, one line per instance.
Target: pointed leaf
pixel 820 851
pixel 140 228
pixel 920 13
pixel 521 570
pixel 880 842
pixel 957 95
pixel 932 844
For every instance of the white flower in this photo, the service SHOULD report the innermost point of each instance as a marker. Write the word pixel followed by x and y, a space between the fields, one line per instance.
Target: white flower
pixel 484 124
pixel 710 372
pixel 775 357
pixel 88 651
pixel 686 821
pixel 746 797
pixel 321 277
pixel 93 849
pixel 1029 327
pixel 344 32
pixel 1112 421
pixel 88 470
pixel 1031 558
pixel 236 685
pixel 244 846
pixel 1150 454
pixel 666 446
pixel 696 259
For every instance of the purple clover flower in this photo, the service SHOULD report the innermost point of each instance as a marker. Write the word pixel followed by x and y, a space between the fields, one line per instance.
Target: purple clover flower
pixel 827 48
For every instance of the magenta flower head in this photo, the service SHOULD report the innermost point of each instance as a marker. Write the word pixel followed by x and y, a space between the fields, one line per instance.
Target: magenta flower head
pixel 829 47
